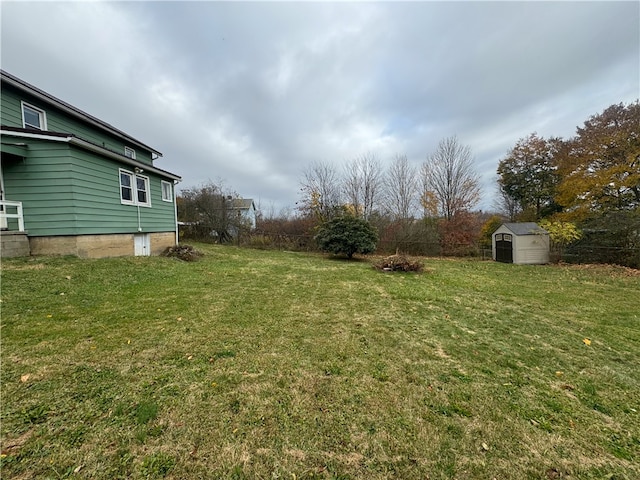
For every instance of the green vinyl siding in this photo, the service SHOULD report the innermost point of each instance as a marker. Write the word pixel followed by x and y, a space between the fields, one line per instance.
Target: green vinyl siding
pixel 10 108
pixel 66 190
pixel 59 121
pixel 43 184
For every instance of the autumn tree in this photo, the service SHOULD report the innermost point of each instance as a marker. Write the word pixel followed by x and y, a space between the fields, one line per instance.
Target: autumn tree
pixel 320 189
pixel 363 184
pixel 528 176
pixel 487 230
pixel 450 184
pixel 600 170
pixel 561 234
pixel 459 235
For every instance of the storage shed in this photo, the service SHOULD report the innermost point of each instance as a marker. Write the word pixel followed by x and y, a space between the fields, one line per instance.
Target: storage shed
pixel 521 243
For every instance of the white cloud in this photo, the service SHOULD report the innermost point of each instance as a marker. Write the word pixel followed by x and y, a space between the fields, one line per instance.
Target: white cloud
pixel 253 92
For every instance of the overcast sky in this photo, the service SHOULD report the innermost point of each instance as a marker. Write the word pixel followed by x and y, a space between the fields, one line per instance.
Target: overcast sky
pixel 253 93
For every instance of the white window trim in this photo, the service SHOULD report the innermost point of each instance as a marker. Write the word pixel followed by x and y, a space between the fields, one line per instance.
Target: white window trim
pixel 134 188
pixel 170 186
pixel 131 151
pixel 42 113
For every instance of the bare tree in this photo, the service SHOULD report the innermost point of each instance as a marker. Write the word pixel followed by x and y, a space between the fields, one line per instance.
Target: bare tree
pixel 506 204
pixel 320 191
pixel 362 184
pixel 401 188
pixel 450 184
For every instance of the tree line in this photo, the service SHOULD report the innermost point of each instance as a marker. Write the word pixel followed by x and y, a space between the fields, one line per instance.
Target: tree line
pixel 411 206
pixel 587 176
pixel 586 186
pixel 444 185
pixel 590 182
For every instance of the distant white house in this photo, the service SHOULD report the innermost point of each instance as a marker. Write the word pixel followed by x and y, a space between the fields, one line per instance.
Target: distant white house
pixel 521 243
pixel 246 209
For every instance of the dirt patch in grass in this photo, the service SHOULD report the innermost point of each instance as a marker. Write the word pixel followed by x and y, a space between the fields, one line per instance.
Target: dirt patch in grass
pixel 613 271
pixel 23 267
pixel 441 353
pixel 11 446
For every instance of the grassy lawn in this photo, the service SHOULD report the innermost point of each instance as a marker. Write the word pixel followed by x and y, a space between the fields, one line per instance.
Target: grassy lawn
pixel 254 364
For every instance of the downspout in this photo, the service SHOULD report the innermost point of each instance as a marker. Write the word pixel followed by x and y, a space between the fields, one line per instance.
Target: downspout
pixel 175 210
pixel 137 172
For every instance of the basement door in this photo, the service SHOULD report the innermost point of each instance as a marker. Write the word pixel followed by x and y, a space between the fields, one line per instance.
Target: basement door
pixel 142 244
pixel 504 248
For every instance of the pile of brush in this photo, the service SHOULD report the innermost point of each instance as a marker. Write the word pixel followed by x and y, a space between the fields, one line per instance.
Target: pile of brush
pixel 183 252
pixel 399 263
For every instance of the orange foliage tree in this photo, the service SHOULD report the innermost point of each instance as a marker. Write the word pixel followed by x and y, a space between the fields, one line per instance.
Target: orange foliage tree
pixel 600 169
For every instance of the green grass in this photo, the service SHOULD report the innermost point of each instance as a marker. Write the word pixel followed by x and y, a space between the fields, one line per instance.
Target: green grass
pixel 255 364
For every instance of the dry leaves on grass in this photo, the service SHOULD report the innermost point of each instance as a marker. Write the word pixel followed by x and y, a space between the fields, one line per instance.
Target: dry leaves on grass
pixel 614 271
pixel 11 447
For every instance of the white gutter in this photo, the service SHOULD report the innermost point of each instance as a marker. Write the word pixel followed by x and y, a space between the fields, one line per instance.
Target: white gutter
pixel 38 136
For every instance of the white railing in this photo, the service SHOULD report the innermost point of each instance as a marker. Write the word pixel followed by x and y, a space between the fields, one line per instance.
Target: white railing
pixel 4 215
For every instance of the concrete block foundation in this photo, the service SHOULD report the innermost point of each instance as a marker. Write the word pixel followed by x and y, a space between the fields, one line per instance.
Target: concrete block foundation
pixel 14 244
pixel 98 246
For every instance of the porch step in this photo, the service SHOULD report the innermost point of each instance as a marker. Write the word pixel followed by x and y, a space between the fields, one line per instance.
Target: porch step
pixel 14 244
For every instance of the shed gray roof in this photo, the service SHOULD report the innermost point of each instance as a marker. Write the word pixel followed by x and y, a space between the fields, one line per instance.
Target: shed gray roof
pixel 525 228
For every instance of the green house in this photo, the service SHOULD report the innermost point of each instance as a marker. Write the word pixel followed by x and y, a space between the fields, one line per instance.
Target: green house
pixel 71 184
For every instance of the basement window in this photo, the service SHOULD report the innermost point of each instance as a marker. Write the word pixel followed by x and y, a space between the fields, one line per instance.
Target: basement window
pixel 33 117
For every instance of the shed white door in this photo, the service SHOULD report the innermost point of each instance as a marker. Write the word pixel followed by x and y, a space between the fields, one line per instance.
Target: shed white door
pixel 142 244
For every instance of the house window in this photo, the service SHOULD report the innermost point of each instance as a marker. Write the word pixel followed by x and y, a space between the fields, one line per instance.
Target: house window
pixel 129 153
pixel 33 117
pixel 142 190
pixel 167 194
pixel 134 189
pixel 126 187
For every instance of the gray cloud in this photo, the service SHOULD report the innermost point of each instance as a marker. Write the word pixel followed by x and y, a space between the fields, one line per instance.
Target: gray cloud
pixel 254 92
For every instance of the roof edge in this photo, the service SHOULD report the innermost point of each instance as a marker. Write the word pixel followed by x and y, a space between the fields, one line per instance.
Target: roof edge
pixel 77 141
pixel 524 228
pixel 71 110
